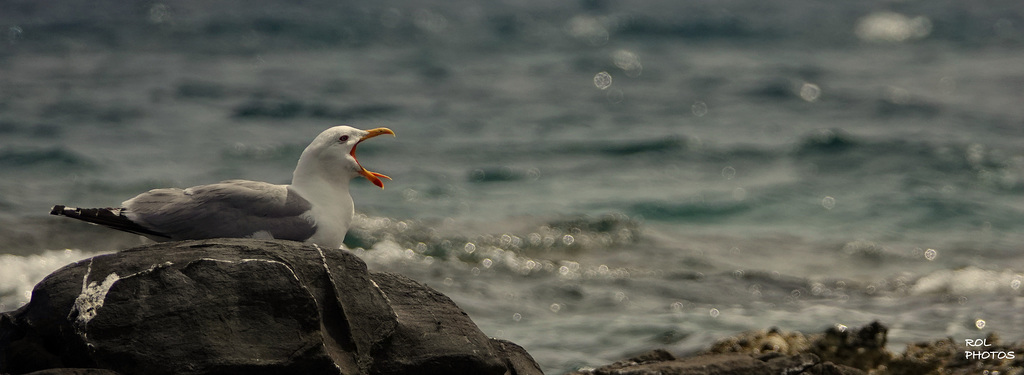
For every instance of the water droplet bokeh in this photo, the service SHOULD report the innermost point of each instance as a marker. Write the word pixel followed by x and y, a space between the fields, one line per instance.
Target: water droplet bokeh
pixel 603 80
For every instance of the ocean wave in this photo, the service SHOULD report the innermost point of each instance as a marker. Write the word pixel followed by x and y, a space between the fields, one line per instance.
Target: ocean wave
pixel 37 130
pixel 200 90
pixel 222 27
pixel 102 112
pixel 242 152
pixel 827 150
pixel 969 281
pixel 503 174
pixel 34 158
pixel 669 144
pixel 908 183
pixel 19 274
pixel 837 151
pixel 292 108
pixel 707 24
pixel 444 239
pixel 694 210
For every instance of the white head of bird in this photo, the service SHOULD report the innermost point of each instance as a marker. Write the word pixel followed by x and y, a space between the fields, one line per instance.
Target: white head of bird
pixel 331 159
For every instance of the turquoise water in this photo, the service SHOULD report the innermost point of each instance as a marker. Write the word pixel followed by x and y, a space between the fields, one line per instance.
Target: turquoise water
pixel 589 180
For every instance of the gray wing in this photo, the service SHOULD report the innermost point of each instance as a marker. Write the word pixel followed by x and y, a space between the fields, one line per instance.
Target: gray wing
pixel 234 208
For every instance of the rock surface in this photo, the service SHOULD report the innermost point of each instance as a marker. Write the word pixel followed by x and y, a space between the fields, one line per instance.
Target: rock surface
pixel 660 362
pixel 837 351
pixel 230 306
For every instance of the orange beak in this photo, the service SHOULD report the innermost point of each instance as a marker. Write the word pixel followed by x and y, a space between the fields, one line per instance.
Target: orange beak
pixel 374 177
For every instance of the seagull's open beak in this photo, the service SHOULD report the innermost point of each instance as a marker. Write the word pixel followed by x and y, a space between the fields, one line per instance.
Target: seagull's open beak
pixel 372 176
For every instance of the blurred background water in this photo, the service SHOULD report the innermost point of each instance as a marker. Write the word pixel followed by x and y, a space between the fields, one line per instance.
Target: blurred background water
pixel 588 179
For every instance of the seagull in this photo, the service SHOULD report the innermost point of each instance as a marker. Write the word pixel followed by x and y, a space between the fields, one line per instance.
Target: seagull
pixel 315 208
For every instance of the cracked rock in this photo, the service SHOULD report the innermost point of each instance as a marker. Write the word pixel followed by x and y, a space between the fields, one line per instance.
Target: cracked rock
pixel 228 306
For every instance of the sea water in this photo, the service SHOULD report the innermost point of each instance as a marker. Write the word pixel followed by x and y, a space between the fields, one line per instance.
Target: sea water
pixel 589 180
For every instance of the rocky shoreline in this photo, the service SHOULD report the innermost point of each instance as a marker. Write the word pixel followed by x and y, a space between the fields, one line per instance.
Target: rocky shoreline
pixel 229 306
pixel 837 350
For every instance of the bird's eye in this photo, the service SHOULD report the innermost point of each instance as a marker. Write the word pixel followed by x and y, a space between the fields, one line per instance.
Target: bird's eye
pixel 343 138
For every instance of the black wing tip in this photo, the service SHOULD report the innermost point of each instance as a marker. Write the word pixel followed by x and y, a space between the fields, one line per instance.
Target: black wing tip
pixel 109 217
pixel 58 209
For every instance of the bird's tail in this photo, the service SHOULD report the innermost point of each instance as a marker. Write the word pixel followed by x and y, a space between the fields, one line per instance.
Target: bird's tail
pixel 109 217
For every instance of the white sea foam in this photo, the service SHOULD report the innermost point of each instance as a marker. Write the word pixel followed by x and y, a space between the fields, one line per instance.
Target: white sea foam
pixel 19 274
pixel 969 281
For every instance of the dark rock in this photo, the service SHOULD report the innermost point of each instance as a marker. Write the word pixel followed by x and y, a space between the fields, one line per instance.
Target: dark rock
pixel 656 355
pixel 433 336
pixel 792 364
pixel 663 363
pixel 243 306
pixel 948 356
pixel 839 350
pixel 517 360
pixel 765 341
pixel 829 368
pixel 651 357
pixel 848 350
pixel 863 348
pixel 924 358
pixel 719 364
pixel 74 371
